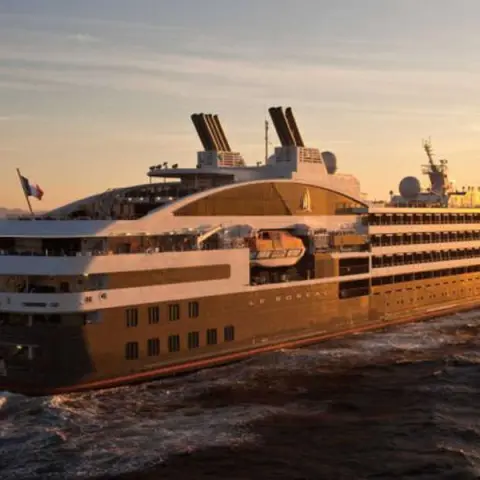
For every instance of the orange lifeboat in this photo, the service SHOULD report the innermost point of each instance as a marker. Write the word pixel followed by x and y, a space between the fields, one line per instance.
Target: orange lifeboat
pixel 275 248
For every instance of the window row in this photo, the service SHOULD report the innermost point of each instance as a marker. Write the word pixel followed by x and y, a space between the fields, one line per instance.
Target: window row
pixel 174 343
pixel 394 239
pixel 131 314
pixel 409 277
pixel 378 219
pixel 423 257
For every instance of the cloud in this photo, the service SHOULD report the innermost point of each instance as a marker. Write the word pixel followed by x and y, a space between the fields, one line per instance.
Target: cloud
pixel 41 21
pixel 200 76
pixel 344 75
pixel 26 86
pixel 83 38
pixel 348 74
pixel 320 70
pixel 16 117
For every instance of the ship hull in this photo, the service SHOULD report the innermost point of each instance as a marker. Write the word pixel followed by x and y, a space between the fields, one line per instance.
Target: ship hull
pixel 264 324
pixel 196 365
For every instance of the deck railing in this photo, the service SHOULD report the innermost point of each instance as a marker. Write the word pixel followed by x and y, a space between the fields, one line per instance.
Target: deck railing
pixel 146 251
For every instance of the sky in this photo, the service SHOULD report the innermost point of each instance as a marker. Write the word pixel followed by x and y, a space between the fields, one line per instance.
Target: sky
pixel 94 92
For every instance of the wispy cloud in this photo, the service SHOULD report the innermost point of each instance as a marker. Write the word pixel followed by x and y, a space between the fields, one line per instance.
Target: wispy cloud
pixel 50 20
pixel 83 38
pixel 189 76
pixel 16 117
pixel 346 73
pixel 26 86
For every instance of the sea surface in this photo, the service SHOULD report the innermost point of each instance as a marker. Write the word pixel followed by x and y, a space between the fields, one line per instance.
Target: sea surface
pixel 399 403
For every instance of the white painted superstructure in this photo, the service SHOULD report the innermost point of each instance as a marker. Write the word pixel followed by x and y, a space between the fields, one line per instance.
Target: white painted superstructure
pixel 292 163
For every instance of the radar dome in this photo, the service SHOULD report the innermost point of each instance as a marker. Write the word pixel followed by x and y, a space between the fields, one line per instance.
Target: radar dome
pixel 410 187
pixel 330 161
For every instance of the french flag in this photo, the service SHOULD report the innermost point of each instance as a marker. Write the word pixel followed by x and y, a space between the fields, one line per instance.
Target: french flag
pixel 31 189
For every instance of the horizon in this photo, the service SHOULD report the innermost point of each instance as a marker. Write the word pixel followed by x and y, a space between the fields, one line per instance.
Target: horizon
pixel 92 94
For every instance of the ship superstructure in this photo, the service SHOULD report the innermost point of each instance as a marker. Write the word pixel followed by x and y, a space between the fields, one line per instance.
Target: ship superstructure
pixel 440 192
pixel 215 263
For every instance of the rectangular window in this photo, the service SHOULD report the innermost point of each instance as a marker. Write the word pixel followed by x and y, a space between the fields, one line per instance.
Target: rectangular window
pixel 229 333
pixel 193 310
pixel 153 347
pixel 193 340
pixel 131 317
pixel 174 343
pixel 212 336
pixel 174 312
pixel 153 314
pixel 91 318
pixel 131 350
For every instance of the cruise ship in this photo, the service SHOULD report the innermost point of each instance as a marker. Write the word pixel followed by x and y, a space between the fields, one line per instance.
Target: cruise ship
pixel 208 265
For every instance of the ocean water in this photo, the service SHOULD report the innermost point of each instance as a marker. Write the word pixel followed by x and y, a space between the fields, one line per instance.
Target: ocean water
pixel 400 403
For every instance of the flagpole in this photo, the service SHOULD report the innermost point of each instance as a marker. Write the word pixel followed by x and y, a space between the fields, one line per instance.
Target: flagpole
pixel 25 193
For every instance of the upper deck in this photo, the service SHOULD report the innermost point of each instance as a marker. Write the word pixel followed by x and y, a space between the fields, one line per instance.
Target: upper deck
pixel 297 187
pixel 421 220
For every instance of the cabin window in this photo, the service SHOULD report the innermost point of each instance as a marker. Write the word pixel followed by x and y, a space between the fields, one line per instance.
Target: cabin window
pixel 153 347
pixel 174 343
pixel 16 319
pixel 352 289
pixel 153 314
pixel 193 310
pixel 131 350
pixel 212 336
pixel 193 340
pixel 174 312
pixel 229 333
pixel 131 317
pixel 353 266
pixel 89 319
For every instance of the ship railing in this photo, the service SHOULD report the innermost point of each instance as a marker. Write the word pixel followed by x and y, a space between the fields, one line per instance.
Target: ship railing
pixel 234 243
pixel 148 250
pixel 342 248
pixel 417 204
pixel 274 254
pixel 351 210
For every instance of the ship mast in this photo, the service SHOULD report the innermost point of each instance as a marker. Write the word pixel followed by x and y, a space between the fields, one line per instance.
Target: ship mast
pixel 266 141
pixel 437 172
pixel 427 146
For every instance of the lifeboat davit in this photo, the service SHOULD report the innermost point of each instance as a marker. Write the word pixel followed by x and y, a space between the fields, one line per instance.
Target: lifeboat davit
pixel 275 248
